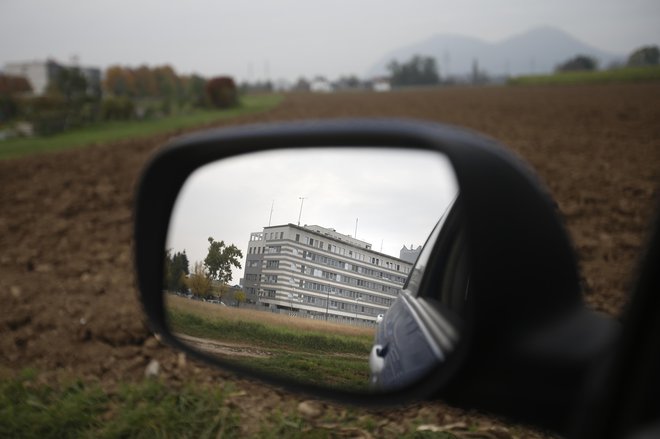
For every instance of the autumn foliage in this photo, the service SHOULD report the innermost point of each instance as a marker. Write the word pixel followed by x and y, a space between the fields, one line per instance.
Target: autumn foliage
pixel 10 85
pixel 156 83
pixel 221 92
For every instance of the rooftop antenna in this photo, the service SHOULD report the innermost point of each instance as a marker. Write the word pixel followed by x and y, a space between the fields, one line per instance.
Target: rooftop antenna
pixel 271 212
pixel 381 245
pixel 302 200
pixel 356 223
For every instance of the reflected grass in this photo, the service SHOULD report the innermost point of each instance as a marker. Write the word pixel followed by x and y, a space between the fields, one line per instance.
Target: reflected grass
pixel 266 336
pixel 301 350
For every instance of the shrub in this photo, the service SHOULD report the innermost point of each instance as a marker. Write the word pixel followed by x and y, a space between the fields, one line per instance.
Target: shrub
pixel 578 63
pixel 8 108
pixel 221 92
pixel 645 56
pixel 117 109
pixel 48 114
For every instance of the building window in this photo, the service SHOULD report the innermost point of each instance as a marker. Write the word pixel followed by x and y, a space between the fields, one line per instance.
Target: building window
pixel 273 264
pixel 297 237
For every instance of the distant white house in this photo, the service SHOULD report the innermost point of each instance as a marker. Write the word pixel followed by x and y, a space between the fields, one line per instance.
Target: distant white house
pixel 321 85
pixel 381 84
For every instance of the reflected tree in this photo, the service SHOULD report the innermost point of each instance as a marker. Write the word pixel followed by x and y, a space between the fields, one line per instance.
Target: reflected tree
pixel 220 260
pixel 176 269
pixel 199 281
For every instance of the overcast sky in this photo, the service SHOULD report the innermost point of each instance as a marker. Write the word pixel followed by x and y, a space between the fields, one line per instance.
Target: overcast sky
pixel 288 38
pixel 397 197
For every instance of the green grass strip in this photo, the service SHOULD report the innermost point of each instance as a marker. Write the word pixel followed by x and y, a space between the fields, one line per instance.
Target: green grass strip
pixel 622 75
pixel 339 372
pixel 268 336
pixel 151 409
pixel 108 132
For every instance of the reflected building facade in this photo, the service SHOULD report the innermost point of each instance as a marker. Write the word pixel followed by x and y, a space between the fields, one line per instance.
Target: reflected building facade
pixel 316 270
pixel 410 254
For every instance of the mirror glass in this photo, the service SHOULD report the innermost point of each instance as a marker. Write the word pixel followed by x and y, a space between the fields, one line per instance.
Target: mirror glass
pixel 287 261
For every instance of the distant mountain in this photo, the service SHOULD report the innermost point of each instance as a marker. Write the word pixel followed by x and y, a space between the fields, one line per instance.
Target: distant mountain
pixel 536 51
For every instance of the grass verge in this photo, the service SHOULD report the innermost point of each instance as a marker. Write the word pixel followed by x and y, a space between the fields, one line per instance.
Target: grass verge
pixel 29 409
pixel 266 336
pixel 626 74
pixel 313 357
pixel 108 132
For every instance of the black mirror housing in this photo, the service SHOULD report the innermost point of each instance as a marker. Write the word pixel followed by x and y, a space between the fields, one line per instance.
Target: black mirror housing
pixel 529 342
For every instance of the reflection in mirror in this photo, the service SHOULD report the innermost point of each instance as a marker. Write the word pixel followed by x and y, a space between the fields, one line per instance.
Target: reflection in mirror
pixel 288 261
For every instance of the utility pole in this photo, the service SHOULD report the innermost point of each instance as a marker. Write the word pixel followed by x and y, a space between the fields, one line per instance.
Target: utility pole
pixel 271 212
pixel 302 200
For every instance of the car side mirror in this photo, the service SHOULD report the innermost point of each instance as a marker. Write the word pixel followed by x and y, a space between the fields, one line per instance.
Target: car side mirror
pixel 489 316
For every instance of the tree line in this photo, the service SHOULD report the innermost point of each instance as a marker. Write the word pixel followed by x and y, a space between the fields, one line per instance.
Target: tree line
pixel 207 279
pixel 422 70
pixel 646 56
pixel 73 100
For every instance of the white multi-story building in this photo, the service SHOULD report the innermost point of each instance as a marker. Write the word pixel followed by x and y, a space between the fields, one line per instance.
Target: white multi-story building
pixel 40 74
pixel 319 271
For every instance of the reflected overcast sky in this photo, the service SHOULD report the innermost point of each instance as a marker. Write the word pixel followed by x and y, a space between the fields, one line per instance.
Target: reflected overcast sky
pixel 396 195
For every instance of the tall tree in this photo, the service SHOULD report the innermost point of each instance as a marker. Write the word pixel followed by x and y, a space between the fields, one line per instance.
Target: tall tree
pixel 419 70
pixel 645 56
pixel 193 88
pixel 220 260
pixel 176 269
pixel 119 81
pixel 70 83
pixel 199 281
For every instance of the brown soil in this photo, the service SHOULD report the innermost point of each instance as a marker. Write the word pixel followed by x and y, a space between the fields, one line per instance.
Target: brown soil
pixel 223 349
pixel 67 292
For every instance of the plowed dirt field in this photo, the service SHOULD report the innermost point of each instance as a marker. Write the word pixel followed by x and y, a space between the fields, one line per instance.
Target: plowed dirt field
pixel 68 302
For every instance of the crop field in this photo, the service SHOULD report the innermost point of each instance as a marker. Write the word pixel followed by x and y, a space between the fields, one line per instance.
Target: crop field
pixel 70 312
